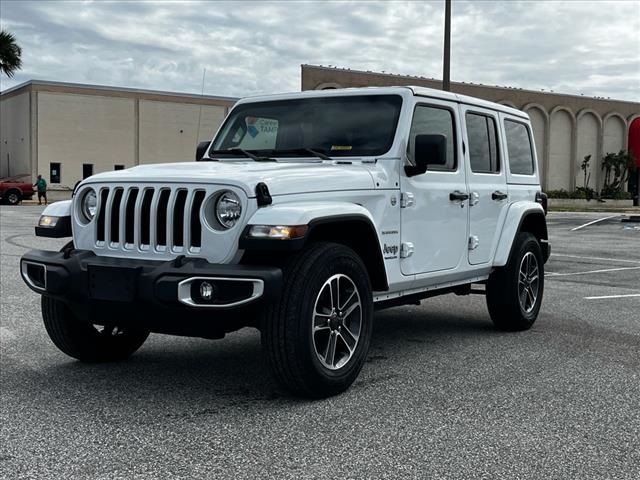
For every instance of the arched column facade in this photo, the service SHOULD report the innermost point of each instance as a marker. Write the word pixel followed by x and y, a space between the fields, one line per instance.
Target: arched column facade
pixel 328 86
pixel 561 171
pixel 540 124
pixel 588 142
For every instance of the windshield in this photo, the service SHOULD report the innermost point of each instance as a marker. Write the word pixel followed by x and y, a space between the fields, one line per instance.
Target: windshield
pixel 336 126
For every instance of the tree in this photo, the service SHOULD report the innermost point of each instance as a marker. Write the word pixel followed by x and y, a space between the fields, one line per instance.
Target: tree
pixel 617 168
pixel 10 54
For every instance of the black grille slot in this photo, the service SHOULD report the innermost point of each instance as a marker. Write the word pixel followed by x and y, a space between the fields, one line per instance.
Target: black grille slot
pixel 130 212
pixel 196 227
pixel 161 222
pixel 145 217
pixel 115 215
pixel 178 218
pixel 102 208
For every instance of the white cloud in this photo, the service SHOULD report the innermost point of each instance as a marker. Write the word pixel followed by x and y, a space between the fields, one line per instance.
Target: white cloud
pixel 257 47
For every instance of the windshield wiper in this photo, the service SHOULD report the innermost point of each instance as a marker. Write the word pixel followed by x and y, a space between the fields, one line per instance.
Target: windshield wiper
pixel 240 151
pixel 309 151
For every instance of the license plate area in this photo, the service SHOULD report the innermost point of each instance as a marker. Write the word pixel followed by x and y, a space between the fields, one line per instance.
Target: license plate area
pixel 112 283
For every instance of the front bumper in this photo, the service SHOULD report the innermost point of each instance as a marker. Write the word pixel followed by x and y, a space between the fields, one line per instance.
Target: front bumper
pixel 155 294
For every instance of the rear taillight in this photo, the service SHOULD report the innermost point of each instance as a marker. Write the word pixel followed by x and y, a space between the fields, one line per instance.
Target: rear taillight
pixel 541 198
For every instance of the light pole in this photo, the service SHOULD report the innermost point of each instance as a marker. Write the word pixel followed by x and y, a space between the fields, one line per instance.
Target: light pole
pixel 446 67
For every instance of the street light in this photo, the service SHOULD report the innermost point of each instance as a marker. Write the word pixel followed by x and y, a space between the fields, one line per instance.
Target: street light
pixel 446 74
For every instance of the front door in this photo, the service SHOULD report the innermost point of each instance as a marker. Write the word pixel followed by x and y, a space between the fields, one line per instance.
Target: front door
pixel 434 213
pixel 488 195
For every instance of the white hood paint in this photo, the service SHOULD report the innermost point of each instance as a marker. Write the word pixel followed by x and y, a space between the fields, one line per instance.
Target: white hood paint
pixel 282 178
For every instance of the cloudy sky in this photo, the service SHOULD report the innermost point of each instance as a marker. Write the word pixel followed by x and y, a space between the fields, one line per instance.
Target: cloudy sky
pixel 257 47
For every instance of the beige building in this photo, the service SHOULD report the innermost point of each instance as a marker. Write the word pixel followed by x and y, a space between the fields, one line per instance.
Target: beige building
pixel 67 131
pixel 566 127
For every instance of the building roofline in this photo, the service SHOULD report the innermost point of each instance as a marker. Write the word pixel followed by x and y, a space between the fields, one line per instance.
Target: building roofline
pixel 466 84
pixel 106 88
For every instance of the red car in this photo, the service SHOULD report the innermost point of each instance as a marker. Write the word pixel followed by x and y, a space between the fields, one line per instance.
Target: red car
pixel 15 189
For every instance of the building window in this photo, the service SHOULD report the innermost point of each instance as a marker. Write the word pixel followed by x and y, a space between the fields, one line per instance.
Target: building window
pixel 118 167
pixel 482 136
pixel 433 121
pixel 87 170
pixel 519 148
pixel 55 175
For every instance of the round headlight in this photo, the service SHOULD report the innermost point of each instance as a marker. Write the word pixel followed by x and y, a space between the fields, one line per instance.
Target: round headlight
pixel 228 209
pixel 89 204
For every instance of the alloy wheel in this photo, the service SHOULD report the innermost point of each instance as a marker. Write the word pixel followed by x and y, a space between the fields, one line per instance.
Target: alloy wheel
pixel 528 282
pixel 337 321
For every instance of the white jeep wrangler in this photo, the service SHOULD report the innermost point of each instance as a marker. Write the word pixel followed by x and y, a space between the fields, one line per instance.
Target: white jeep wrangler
pixel 305 214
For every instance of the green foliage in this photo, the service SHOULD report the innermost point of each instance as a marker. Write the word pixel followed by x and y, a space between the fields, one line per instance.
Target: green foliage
pixel 10 54
pixel 617 167
pixel 582 194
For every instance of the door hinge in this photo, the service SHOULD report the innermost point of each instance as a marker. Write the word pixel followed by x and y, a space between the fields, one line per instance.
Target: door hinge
pixel 474 241
pixel 407 199
pixel 406 250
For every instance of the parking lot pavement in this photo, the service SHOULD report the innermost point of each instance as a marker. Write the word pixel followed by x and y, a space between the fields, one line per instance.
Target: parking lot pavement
pixel 443 395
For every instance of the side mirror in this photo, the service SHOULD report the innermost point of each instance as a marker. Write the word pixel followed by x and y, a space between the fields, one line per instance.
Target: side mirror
pixel 428 150
pixel 201 150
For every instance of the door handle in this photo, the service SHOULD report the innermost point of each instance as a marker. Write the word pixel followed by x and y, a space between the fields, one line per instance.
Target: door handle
pixel 458 195
pixel 498 195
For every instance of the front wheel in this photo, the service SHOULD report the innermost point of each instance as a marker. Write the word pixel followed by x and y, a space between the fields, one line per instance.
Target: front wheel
pixel 514 292
pixel 87 342
pixel 316 337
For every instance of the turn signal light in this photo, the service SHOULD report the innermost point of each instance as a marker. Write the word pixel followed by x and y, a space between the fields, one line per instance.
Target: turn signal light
pixel 278 232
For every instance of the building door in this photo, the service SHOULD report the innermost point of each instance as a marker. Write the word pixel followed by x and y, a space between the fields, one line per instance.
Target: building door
pixel 488 195
pixel 55 175
pixel 433 222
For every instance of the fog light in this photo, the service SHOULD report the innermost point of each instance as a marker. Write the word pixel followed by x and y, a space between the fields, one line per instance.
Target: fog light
pixel 206 291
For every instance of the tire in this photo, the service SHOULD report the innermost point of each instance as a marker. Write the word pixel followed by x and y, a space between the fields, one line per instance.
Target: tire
pixel 13 197
pixel 86 342
pixel 514 292
pixel 302 329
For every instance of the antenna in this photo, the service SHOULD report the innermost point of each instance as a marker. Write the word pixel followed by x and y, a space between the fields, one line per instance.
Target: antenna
pixel 204 72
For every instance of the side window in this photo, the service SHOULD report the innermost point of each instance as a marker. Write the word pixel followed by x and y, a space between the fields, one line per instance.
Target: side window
pixel 483 151
pixel 433 120
pixel 519 148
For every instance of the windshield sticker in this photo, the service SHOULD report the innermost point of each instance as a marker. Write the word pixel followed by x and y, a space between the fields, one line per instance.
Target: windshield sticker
pixel 256 126
pixel 341 147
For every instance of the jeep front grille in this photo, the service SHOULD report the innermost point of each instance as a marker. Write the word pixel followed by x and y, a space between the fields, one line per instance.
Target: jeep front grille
pixel 150 218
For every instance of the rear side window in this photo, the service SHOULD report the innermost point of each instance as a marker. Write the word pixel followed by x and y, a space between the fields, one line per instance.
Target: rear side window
pixel 430 121
pixel 483 141
pixel 519 148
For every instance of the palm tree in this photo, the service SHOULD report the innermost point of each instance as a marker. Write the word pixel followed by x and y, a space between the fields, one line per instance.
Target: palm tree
pixel 10 54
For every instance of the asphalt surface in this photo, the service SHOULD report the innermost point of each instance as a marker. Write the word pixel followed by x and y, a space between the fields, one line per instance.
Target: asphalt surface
pixel 443 395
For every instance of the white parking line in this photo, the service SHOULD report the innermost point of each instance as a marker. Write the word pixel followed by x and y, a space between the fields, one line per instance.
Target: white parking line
pixel 613 296
pixel 606 270
pixel 594 258
pixel 594 221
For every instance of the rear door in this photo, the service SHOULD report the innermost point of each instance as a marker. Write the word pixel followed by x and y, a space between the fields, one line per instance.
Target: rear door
pixel 486 176
pixel 433 224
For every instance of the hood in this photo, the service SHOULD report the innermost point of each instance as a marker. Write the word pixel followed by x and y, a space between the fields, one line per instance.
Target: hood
pixel 282 178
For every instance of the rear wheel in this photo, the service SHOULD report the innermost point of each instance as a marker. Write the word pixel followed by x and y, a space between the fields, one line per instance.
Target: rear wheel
pixel 316 337
pixel 13 197
pixel 87 342
pixel 514 292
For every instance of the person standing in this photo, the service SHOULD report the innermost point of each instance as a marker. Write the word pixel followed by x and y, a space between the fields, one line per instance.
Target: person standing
pixel 41 186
